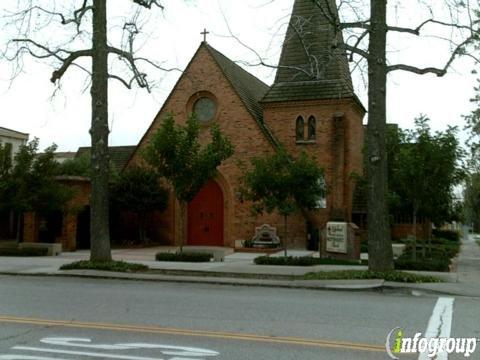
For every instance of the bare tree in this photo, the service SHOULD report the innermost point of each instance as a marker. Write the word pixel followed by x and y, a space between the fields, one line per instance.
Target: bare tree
pixel 84 15
pixel 376 29
pixel 366 41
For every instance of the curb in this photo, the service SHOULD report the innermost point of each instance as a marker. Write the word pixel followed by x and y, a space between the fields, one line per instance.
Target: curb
pixel 378 285
pixel 337 285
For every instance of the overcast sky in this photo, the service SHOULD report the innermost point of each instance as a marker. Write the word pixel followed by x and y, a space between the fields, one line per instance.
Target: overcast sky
pixel 172 38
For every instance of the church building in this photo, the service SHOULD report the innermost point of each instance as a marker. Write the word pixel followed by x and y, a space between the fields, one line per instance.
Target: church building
pixel 310 107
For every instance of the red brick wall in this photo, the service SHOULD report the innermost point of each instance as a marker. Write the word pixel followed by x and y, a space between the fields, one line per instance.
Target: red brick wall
pixel 204 76
pixel 338 149
pixel 81 198
pixel 402 231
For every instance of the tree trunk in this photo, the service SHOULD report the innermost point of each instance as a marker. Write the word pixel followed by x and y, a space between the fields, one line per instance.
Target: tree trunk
pixel 285 232
pixel 183 213
pixel 19 227
pixel 414 253
pixel 379 242
pixel 426 230
pixel 99 228
pixel 141 227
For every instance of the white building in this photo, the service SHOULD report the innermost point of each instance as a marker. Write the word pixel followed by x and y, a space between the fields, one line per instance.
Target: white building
pixel 12 139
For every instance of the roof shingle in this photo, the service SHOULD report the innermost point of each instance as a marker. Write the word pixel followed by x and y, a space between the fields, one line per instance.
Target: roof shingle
pixel 312 66
pixel 119 155
pixel 249 88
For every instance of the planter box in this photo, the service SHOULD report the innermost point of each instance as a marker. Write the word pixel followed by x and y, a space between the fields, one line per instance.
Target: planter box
pixel 398 249
pixel 53 249
pixel 258 250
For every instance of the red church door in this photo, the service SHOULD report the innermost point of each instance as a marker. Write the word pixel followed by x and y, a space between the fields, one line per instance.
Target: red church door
pixel 205 216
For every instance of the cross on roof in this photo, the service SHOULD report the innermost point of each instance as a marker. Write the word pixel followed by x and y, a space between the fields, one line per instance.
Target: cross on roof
pixel 204 33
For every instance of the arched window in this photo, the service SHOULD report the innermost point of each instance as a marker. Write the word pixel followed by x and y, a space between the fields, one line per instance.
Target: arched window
pixel 300 129
pixel 312 128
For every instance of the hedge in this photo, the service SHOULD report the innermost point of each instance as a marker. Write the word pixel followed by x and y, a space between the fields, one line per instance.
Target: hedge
pixel 395 276
pixel 184 257
pixel 301 261
pixel 446 234
pixel 23 252
pixel 119 266
pixel 405 262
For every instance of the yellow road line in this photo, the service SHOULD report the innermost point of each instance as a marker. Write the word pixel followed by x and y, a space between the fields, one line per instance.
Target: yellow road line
pixel 198 333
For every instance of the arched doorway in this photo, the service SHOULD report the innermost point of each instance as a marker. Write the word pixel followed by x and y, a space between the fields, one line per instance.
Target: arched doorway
pixel 205 216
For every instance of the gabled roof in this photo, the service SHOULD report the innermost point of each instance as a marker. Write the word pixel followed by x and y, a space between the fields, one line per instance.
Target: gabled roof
pixel 119 155
pixel 13 133
pixel 249 88
pixel 312 65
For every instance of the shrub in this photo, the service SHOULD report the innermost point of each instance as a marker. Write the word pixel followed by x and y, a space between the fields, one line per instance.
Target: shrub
pixel 364 246
pixel 446 234
pixel 119 266
pixel 23 252
pixel 301 261
pixel 395 276
pixel 248 244
pixel 438 263
pixel 184 257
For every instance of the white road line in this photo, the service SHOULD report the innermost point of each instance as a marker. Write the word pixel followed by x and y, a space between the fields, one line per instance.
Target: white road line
pixel 165 349
pixel 91 354
pixel 440 324
pixel 25 357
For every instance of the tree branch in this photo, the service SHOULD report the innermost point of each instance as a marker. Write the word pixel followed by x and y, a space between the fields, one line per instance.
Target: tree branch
pixel 416 31
pixel 357 43
pixel 57 74
pixel 355 25
pixel 148 3
pixel 78 14
pixel 127 84
pixel 66 61
pixel 459 50
pixel 356 50
pixel 416 70
pixel 139 77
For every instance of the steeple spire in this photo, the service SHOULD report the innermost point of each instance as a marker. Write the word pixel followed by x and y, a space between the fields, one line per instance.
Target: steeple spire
pixel 313 64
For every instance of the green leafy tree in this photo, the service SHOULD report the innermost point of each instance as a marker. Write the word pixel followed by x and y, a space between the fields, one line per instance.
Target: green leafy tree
pixel 138 190
pixel 177 155
pixel 280 183
pixel 424 170
pixel 473 125
pixel 28 183
pixel 78 166
pixel 472 201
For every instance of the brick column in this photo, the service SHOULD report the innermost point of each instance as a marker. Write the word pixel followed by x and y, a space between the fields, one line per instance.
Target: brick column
pixel 69 238
pixel 30 227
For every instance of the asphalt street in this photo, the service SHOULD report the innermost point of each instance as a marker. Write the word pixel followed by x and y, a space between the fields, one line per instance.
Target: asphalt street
pixel 44 318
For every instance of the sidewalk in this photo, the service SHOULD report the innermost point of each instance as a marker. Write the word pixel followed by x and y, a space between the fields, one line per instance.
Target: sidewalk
pixel 464 282
pixel 467 275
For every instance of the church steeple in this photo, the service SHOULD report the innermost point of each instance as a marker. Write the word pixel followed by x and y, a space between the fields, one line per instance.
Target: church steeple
pixel 312 64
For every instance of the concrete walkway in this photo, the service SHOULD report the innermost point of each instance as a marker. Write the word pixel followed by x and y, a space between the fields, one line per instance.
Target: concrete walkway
pixel 465 281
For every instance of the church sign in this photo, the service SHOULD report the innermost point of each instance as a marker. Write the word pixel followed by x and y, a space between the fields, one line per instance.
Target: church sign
pixel 337 237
